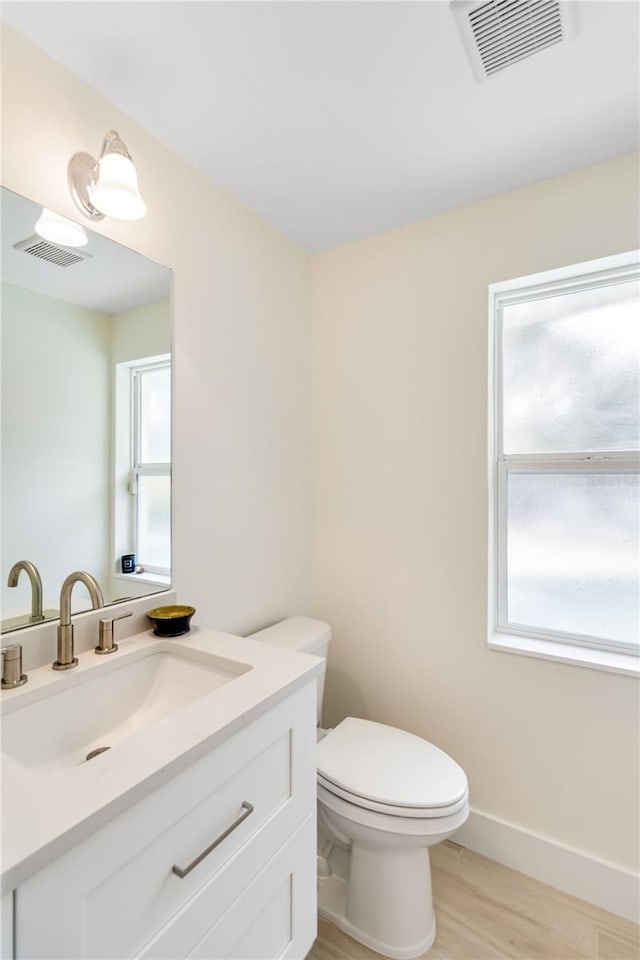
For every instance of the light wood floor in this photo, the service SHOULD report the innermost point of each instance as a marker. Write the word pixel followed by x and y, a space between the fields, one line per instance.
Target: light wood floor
pixel 486 911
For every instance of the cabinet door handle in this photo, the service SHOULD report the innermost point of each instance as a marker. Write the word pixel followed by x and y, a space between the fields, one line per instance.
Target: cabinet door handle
pixel 182 872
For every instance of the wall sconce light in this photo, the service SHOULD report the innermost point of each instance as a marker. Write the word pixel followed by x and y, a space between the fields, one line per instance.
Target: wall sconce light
pixel 56 229
pixel 107 186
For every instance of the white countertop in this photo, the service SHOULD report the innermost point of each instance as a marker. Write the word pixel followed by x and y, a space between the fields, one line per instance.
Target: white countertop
pixel 46 812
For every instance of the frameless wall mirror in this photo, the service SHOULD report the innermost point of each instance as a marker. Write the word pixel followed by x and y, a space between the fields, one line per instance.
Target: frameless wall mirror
pixel 86 417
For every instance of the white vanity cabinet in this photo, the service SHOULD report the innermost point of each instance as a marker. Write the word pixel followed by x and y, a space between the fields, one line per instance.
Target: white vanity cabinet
pixel 253 896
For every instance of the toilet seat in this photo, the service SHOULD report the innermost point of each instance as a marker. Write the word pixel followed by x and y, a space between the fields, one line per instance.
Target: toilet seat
pixel 397 824
pixel 393 810
pixel 390 771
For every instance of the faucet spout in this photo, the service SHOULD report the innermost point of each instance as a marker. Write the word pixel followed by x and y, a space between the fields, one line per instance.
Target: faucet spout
pixel 36 586
pixel 66 659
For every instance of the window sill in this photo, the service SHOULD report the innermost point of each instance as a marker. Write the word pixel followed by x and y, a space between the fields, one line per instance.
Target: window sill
pixel 624 663
pixel 158 578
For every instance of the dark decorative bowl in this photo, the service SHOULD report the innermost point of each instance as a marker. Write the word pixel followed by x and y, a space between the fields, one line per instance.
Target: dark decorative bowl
pixel 172 621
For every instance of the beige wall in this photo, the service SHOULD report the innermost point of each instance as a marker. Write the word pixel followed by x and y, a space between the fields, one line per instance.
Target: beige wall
pixel 400 381
pixel 141 332
pixel 241 345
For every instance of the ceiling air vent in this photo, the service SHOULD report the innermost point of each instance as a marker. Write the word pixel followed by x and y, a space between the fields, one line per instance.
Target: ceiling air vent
pixel 499 33
pixel 44 250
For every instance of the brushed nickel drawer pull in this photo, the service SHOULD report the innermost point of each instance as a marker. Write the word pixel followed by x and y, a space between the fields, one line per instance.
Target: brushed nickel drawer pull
pixel 179 872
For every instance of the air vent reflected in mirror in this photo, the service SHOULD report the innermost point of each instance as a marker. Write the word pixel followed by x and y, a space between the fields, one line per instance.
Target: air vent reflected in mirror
pixel 59 256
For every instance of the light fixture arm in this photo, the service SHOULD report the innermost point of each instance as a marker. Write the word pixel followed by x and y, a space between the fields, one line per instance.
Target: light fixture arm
pixel 82 176
pixel 112 143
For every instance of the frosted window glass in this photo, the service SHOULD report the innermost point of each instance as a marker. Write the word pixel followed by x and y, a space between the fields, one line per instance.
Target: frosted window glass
pixel 571 371
pixel 573 553
pixel 154 521
pixel 155 416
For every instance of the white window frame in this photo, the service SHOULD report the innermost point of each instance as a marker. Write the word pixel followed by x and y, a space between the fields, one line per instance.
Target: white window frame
pixel 517 638
pixel 140 468
pixel 127 467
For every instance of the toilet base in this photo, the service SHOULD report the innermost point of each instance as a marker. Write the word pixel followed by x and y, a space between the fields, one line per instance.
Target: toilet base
pixel 332 904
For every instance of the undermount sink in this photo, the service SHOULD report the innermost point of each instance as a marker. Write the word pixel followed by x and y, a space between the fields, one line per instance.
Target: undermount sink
pixel 107 703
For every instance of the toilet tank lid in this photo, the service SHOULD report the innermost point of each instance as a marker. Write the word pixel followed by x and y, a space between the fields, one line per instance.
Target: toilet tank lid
pixel 296 633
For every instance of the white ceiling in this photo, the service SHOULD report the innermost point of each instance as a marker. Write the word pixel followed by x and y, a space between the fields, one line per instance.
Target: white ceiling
pixel 336 120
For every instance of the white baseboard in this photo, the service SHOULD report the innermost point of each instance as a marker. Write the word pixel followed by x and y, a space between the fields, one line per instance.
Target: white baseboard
pixel 600 883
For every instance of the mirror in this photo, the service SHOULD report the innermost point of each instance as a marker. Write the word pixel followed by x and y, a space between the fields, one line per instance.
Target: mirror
pixel 85 418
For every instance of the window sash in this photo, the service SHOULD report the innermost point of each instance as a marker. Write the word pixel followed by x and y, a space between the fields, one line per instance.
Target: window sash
pixel 627 464
pixel 540 291
pixel 137 374
pixel 148 470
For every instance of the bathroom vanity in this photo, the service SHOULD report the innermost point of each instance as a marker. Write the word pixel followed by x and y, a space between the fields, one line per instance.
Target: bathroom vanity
pixel 158 801
pixel 193 835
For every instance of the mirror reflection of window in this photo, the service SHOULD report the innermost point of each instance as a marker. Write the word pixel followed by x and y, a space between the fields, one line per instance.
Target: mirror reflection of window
pixel 141 505
pixel 151 464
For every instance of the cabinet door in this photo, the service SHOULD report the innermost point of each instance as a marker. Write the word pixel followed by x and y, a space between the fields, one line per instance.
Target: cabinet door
pixel 275 917
pixel 115 892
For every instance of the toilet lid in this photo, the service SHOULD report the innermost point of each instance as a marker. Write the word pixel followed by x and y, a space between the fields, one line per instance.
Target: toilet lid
pixel 389 766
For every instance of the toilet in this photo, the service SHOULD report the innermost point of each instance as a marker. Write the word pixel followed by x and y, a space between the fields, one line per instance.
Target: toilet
pixel 384 797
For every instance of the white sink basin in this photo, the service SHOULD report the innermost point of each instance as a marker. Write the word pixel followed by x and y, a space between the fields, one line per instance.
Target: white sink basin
pixel 107 703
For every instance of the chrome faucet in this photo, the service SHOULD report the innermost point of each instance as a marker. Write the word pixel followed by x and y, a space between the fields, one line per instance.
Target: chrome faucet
pixel 36 586
pixel 66 659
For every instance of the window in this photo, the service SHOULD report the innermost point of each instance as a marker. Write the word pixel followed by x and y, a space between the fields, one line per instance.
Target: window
pixel 142 505
pixel 151 464
pixel 565 479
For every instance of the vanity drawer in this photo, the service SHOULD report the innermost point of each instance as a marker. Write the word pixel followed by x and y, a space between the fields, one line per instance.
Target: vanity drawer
pixel 114 892
pixel 274 916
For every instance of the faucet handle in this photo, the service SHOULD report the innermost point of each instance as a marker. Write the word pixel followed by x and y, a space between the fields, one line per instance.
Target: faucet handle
pixel 12 675
pixel 105 637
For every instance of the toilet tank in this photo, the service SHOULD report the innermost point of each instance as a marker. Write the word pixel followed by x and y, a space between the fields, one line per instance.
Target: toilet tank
pixel 303 634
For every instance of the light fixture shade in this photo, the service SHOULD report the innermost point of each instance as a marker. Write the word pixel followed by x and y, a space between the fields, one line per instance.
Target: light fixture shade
pixel 56 229
pixel 116 192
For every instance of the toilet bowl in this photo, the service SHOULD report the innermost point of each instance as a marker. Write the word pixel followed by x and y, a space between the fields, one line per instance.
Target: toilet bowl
pixel 384 797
